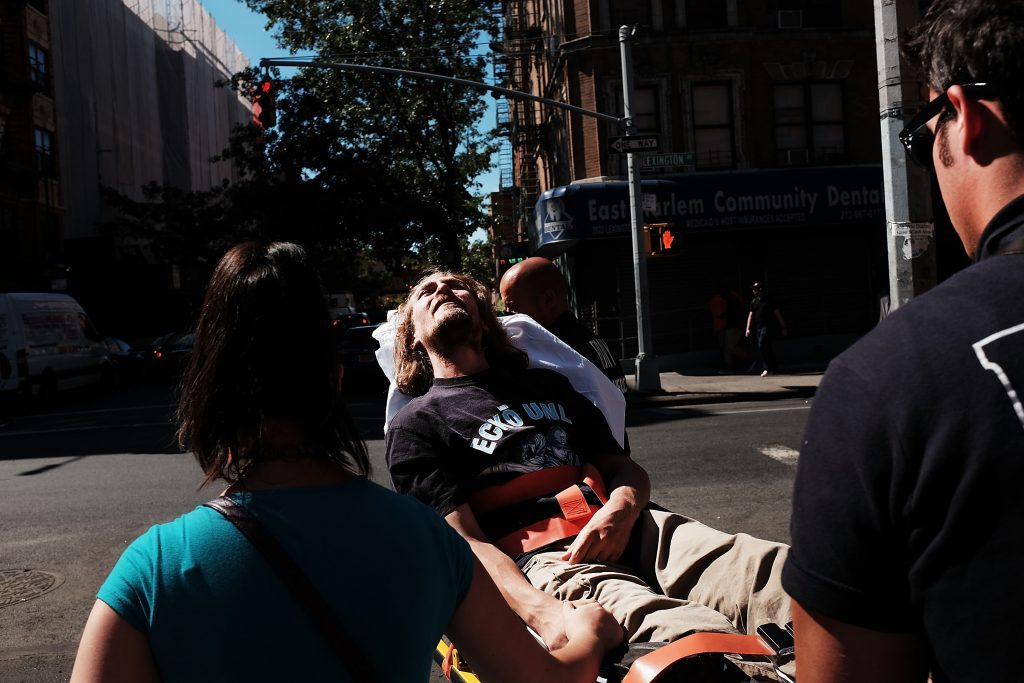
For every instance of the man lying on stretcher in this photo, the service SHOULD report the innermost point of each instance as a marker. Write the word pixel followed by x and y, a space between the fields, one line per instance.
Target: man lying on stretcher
pixel 527 470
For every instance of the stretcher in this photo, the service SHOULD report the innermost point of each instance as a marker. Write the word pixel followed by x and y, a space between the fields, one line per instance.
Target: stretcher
pixel 695 658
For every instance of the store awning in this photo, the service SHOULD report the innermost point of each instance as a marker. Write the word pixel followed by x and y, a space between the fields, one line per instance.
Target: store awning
pixel 826 196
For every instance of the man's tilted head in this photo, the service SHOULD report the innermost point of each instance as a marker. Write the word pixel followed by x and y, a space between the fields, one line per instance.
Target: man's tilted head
pixel 447 313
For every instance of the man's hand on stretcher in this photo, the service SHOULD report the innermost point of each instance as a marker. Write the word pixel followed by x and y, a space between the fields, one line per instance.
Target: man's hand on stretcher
pixel 605 535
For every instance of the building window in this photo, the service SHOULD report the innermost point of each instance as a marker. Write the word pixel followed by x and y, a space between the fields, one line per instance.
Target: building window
pixel 809 123
pixel 37 64
pixel 646 116
pixel 706 14
pixel 629 14
pixel 44 153
pixel 713 135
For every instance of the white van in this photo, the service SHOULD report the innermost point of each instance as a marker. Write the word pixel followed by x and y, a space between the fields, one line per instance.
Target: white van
pixel 47 344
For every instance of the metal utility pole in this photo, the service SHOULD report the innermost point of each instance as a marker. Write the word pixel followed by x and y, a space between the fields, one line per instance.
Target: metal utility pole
pixel 647 377
pixel 910 230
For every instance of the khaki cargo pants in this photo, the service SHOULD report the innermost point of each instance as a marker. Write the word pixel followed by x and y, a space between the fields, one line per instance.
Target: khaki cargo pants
pixel 682 577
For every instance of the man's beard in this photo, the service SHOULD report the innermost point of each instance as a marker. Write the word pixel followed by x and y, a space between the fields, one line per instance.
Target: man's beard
pixel 453 330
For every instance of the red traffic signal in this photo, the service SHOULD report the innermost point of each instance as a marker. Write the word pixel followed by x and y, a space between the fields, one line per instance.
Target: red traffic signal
pixel 661 238
pixel 667 238
pixel 264 105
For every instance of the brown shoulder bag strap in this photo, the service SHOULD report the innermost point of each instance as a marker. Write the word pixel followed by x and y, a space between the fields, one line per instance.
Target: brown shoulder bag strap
pixel 301 588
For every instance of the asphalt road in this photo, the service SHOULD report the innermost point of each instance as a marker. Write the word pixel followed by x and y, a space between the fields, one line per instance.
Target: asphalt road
pixel 79 482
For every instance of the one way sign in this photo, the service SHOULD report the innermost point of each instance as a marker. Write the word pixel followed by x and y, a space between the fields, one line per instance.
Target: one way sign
pixel 633 143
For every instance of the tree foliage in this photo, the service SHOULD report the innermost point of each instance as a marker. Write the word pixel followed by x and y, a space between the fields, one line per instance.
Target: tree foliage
pixel 372 174
pixel 417 139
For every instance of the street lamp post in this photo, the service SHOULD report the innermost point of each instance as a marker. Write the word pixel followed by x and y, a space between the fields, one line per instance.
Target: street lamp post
pixel 647 377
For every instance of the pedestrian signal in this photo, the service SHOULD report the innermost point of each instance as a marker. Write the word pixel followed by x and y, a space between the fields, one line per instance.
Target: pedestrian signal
pixel 660 238
pixel 667 238
pixel 264 105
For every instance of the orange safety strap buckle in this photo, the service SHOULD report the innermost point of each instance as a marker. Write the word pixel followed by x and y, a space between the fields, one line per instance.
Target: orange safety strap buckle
pixel 573 503
pixel 649 668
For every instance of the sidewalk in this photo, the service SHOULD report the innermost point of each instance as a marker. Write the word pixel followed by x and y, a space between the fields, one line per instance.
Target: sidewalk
pixel 696 387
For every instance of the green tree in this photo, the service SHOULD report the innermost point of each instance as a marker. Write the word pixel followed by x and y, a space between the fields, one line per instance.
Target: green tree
pixel 369 173
pixel 397 154
pixel 478 261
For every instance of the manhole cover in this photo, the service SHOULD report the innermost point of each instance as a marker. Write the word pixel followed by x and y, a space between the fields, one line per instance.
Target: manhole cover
pixel 19 585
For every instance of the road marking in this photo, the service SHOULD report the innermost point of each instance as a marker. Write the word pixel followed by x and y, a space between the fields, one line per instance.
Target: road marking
pixel 95 428
pixel 780 453
pixel 761 410
pixel 711 411
pixel 98 410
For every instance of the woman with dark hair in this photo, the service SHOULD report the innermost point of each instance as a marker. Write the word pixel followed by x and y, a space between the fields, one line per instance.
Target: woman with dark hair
pixel 261 408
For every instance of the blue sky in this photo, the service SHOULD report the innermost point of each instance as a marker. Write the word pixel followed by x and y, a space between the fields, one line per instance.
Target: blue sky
pixel 248 31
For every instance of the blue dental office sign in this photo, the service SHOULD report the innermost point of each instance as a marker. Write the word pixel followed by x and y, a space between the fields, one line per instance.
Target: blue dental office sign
pixel 824 196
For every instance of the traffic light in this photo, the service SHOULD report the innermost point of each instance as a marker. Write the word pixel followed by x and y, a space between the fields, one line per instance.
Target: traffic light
pixel 661 238
pixel 264 105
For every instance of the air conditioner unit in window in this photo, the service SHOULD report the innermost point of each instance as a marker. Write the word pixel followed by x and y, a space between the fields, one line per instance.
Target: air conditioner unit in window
pixel 791 18
pixel 797 157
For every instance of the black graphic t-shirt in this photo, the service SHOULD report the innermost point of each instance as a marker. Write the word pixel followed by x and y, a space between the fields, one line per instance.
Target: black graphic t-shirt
pixel 472 432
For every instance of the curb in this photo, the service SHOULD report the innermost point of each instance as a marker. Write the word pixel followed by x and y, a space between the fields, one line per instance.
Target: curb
pixel 634 400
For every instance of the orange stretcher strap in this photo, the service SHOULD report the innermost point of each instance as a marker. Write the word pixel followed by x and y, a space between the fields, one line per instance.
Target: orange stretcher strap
pixel 541 533
pixel 574 504
pixel 524 487
pixel 446 663
pixel 576 510
pixel 650 667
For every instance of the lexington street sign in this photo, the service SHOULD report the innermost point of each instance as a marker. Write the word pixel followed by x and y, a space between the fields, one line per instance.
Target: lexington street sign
pixel 666 160
pixel 633 143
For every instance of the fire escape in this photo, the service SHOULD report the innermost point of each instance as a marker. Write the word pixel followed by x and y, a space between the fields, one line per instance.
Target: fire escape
pixel 521 46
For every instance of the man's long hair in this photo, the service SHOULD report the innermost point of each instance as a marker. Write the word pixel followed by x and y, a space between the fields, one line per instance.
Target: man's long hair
pixel 413 371
pixel 263 350
pixel 974 41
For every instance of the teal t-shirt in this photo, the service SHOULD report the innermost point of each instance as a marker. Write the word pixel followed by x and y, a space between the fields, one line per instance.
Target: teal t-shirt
pixel 213 609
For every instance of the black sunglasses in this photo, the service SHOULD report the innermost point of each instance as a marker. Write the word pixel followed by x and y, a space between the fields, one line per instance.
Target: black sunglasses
pixel 916 137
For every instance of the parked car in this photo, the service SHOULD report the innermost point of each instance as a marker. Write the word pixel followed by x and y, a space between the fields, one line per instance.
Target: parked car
pixel 356 349
pixel 48 345
pixel 168 354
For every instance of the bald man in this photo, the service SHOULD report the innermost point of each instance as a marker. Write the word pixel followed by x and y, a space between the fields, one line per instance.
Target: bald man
pixel 536 287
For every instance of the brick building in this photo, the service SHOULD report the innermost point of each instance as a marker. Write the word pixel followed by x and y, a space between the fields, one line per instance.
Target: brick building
pixel 769 165
pixel 106 94
pixel 30 206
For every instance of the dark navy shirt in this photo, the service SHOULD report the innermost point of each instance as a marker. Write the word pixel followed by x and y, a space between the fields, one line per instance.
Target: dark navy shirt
pixel 907 511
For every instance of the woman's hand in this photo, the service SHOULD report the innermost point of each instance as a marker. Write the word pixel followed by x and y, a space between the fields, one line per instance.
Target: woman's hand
pixel 587 619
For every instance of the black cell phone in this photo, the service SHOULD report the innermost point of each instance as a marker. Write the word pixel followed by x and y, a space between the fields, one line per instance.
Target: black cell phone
pixel 776 637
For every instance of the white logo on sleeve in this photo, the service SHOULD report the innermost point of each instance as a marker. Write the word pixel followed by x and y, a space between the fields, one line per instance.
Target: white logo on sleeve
pixel 1002 353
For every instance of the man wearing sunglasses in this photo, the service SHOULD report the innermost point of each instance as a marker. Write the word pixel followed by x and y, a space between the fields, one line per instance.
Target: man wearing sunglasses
pixel 908 521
